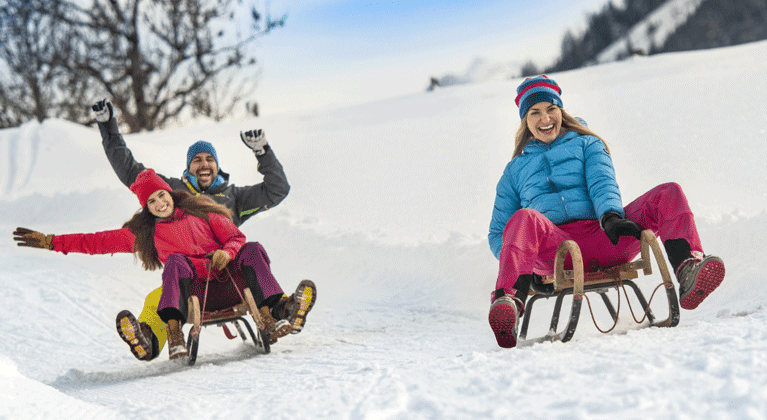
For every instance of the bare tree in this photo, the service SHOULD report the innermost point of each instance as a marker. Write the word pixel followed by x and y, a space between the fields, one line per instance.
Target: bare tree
pixel 32 53
pixel 157 60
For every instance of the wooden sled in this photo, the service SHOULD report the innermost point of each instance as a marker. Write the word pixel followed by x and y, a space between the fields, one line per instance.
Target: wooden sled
pixel 577 282
pixel 234 315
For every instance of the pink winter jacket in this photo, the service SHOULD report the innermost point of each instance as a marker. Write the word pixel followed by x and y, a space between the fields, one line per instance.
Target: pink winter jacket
pixel 182 234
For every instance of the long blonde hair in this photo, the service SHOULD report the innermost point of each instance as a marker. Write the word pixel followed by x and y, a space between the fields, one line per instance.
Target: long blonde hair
pixel 569 123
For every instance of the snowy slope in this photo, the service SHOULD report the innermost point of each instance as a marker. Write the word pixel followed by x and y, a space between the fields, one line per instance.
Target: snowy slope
pixel 388 213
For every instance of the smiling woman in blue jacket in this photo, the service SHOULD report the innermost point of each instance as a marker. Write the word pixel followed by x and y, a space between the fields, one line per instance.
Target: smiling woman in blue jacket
pixel 559 185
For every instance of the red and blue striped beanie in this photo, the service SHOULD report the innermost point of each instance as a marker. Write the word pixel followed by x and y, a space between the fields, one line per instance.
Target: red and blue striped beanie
pixel 537 89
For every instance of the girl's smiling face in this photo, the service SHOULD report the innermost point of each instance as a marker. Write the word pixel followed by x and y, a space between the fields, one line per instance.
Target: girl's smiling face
pixel 160 204
pixel 544 120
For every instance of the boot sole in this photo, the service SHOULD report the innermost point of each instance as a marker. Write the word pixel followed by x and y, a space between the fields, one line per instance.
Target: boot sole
pixel 281 329
pixel 502 320
pixel 177 352
pixel 306 294
pixel 709 276
pixel 129 331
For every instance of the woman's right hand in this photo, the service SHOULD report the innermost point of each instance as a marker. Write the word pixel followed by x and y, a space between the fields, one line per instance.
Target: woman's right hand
pixel 32 239
pixel 615 226
pixel 219 258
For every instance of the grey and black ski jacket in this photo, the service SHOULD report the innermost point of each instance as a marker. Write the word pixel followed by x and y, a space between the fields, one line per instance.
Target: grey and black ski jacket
pixel 244 202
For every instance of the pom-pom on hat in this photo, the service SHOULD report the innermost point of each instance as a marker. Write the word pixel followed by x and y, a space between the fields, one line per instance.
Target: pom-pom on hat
pixel 537 89
pixel 147 182
pixel 199 147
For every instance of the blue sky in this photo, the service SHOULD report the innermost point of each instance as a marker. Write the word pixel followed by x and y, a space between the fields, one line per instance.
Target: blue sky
pixel 337 52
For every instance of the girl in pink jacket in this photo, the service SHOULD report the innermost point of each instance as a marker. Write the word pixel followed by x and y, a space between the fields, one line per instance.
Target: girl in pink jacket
pixel 193 239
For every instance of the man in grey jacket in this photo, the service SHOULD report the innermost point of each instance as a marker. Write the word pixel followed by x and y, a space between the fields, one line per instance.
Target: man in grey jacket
pixel 203 175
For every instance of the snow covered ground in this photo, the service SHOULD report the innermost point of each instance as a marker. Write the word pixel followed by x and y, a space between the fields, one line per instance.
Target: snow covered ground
pixel 388 213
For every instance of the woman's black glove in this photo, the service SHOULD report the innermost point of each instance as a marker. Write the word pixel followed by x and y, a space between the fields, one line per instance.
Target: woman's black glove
pixel 615 226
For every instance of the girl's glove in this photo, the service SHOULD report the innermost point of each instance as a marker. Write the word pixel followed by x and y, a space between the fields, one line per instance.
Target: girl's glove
pixel 32 239
pixel 219 258
pixel 256 140
pixel 615 226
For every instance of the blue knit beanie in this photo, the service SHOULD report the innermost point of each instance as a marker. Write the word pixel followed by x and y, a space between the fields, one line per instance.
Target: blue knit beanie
pixel 537 89
pixel 200 147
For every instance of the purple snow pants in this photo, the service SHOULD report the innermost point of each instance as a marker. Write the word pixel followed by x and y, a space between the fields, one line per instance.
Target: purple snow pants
pixel 250 268
pixel 530 240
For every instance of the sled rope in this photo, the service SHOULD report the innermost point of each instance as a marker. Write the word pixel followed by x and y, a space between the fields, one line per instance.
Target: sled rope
pixel 205 296
pixel 237 289
pixel 618 287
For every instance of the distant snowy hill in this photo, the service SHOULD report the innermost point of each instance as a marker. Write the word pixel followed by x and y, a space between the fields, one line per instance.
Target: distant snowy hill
pixel 651 32
pixel 480 70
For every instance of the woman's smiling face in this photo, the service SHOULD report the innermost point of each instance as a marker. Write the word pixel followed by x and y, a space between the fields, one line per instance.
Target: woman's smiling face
pixel 544 120
pixel 160 204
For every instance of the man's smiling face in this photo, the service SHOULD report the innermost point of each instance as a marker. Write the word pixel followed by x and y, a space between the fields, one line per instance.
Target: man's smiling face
pixel 203 166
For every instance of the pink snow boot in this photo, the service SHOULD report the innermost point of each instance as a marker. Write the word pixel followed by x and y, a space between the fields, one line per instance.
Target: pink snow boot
pixel 505 313
pixel 698 277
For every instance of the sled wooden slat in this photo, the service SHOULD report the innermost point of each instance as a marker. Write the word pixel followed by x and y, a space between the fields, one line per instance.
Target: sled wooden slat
pixel 577 282
pixel 223 314
pixel 628 271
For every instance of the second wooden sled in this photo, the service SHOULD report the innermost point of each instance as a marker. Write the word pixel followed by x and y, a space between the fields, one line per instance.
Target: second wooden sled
pixel 234 315
pixel 577 282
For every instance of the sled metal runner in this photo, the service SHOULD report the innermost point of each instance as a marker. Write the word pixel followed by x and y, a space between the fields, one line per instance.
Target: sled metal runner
pixel 234 315
pixel 577 282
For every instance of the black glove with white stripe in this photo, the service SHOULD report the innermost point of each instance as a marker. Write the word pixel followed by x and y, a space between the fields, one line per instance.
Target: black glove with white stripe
pixel 256 140
pixel 103 110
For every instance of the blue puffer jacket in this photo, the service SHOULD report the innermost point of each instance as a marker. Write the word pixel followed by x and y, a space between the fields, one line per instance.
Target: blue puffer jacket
pixel 570 179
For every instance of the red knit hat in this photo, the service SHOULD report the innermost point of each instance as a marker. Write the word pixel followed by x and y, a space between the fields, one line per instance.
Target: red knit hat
pixel 147 182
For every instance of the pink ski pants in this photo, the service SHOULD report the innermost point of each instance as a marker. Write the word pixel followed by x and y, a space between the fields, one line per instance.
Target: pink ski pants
pixel 530 240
